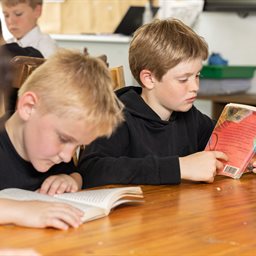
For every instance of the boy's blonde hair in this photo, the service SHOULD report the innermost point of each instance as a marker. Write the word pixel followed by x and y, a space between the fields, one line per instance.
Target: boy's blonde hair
pixel 72 85
pixel 161 45
pixel 31 3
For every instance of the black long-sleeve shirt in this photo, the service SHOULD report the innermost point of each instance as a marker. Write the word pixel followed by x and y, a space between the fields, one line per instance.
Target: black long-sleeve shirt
pixel 144 149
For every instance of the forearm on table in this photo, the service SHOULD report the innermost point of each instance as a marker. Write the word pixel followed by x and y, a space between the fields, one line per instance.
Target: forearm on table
pixel 78 178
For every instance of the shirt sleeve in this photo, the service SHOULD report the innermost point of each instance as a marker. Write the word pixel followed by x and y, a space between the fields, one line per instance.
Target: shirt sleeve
pixel 107 161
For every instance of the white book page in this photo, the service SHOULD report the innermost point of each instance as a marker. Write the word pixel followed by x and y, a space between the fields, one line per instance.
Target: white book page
pixel 104 198
pixel 97 202
pixel 91 212
pixel 24 195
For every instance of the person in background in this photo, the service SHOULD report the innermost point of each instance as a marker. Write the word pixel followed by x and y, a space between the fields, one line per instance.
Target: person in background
pixel 163 137
pixel 66 102
pixel 21 17
pixel 9 93
pixel 16 50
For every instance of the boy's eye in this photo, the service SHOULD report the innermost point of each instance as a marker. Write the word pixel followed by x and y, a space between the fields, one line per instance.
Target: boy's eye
pixel 183 80
pixel 63 139
pixel 18 14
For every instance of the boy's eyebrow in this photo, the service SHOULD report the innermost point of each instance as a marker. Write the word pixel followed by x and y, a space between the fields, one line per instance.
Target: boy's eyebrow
pixel 187 74
pixel 67 137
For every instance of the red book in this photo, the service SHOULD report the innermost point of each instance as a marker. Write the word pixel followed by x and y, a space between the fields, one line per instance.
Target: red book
pixel 235 135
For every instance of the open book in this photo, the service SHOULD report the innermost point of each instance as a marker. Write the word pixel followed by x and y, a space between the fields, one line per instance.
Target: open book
pixel 235 135
pixel 95 203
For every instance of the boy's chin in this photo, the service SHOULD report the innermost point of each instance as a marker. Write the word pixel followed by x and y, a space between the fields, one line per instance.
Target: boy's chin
pixel 42 167
pixel 17 36
pixel 186 107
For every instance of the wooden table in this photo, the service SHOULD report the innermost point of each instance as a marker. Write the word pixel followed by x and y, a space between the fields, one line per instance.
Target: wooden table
pixel 219 101
pixel 188 219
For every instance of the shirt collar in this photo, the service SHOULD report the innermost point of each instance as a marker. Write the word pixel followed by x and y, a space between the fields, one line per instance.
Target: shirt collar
pixel 29 37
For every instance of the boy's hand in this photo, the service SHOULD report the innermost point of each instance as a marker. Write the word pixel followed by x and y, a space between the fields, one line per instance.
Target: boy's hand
pixel 202 166
pixel 58 184
pixel 39 214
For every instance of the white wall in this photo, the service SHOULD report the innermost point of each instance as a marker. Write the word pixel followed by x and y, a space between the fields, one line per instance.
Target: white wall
pixel 230 35
pixel 233 37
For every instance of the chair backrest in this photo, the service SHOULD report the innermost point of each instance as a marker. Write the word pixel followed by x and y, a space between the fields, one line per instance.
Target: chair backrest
pixel 24 66
pixel 117 74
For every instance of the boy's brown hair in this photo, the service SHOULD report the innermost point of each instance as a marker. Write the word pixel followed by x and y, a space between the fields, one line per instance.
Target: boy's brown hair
pixel 31 3
pixel 161 45
pixel 72 85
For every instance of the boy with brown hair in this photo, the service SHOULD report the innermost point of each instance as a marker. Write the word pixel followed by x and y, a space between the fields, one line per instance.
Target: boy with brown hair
pixel 66 102
pixel 164 135
pixel 21 18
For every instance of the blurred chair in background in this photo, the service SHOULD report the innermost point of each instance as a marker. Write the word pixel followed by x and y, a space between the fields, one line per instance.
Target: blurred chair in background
pixel 117 74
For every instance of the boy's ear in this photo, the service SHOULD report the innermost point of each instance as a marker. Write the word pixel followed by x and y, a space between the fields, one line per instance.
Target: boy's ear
pixel 26 105
pixel 38 10
pixel 147 78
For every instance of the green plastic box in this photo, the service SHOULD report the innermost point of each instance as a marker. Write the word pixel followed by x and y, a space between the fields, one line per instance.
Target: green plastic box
pixel 227 72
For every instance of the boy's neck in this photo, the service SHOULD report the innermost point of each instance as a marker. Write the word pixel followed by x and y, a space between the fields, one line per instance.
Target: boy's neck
pixel 164 114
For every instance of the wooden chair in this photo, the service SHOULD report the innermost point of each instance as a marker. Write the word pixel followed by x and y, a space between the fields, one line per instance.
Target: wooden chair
pixel 24 66
pixel 117 74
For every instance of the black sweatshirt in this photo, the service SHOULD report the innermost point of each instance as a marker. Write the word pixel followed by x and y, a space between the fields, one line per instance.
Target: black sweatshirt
pixel 144 149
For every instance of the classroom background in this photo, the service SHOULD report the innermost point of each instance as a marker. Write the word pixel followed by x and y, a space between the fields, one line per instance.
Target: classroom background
pixel 91 23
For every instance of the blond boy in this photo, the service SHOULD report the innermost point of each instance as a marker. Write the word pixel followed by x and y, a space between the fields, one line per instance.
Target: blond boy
pixel 21 17
pixel 67 102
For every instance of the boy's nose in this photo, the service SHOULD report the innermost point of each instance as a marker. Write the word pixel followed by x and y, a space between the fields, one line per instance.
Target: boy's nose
pixel 67 153
pixel 194 85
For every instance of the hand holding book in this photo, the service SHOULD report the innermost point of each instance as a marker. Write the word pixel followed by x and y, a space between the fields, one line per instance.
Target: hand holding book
pixel 235 135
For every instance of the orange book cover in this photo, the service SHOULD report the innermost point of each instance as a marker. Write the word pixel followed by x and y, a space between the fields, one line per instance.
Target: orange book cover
pixel 235 135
